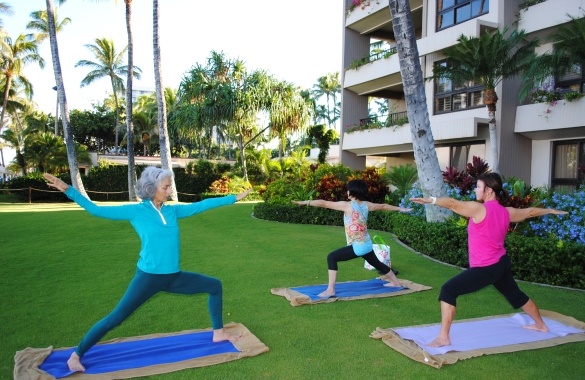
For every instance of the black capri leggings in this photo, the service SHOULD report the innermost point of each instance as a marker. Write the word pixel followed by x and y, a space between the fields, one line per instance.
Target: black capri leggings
pixel 346 253
pixel 474 279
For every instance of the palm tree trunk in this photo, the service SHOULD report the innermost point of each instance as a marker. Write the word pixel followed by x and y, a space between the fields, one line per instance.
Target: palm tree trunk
pixel 117 112
pixel 243 157
pixel 129 125
pixel 165 148
pixel 4 103
pixel 491 99
pixel 71 156
pixel 423 143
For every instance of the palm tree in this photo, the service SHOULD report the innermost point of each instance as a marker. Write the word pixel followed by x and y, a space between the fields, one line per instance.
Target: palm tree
pixel 69 143
pixel 486 61
pixel 40 23
pixel 108 64
pixel 568 53
pixel 129 106
pixel 14 56
pixel 163 134
pixel 423 143
pixel 289 112
pixel 6 9
pixel 330 87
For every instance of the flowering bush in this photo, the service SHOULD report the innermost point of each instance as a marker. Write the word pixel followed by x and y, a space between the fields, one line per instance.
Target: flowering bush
pixel 568 227
pixel 358 3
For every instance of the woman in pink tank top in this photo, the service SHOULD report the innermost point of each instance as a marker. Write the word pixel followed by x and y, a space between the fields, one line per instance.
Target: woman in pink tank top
pixel 488 262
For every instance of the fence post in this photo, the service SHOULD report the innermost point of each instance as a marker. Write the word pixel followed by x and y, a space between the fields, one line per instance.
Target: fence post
pixel 30 195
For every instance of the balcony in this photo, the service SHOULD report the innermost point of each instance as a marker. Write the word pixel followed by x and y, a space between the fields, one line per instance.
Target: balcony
pixel 375 19
pixel 541 121
pixel 548 14
pixel 397 139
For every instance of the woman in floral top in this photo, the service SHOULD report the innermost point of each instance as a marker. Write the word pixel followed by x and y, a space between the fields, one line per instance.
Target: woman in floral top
pixel 359 244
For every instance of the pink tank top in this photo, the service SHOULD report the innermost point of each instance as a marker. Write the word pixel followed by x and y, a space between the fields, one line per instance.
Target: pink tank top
pixel 486 238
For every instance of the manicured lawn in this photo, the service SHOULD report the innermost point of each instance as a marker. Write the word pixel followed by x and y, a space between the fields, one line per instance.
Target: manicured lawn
pixel 61 271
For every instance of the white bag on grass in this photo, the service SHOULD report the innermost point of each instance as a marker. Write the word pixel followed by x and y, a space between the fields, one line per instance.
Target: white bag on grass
pixel 382 251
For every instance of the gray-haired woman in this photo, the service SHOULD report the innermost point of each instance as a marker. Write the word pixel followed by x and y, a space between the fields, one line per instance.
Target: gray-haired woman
pixel 156 223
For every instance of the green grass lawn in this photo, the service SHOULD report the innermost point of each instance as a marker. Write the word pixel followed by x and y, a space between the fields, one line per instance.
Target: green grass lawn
pixel 62 270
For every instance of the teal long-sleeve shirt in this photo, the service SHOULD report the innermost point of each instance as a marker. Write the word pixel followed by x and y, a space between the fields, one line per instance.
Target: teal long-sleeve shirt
pixel 158 230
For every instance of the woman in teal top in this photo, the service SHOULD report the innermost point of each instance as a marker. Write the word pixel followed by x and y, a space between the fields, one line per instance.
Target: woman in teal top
pixel 156 223
pixel 359 244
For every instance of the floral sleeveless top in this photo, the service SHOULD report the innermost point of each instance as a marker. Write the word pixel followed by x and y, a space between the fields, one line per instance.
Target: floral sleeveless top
pixel 356 229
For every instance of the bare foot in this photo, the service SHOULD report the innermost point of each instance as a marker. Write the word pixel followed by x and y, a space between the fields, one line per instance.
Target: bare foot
pixel 542 327
pixel 221 335
pixel 392 280
pixel 440 342
pixel 326 294
pixel 74 363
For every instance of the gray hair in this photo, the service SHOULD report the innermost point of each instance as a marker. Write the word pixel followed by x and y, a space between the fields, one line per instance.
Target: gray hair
pixel 150 181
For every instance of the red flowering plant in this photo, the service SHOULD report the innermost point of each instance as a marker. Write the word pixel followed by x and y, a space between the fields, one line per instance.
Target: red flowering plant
pixel 465 180
pixel 220 186
pixel 377 187
pixel 331 188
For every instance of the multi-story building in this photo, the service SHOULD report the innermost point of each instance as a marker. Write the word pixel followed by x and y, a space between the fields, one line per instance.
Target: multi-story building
pixel 540 143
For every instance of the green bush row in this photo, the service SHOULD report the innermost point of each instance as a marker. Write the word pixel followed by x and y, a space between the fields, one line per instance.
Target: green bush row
pixel 110 183
pixel 534 259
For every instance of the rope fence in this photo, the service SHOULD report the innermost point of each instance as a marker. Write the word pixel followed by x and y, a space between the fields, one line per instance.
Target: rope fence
pixel 30 190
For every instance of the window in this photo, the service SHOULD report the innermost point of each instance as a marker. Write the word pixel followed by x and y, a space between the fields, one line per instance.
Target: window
pixel 568 164
pixel 453 12
pixel 573 80
pixel 459 155
pixel 451 97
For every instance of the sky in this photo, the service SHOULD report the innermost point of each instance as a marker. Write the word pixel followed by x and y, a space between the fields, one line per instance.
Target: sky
pixel 294 41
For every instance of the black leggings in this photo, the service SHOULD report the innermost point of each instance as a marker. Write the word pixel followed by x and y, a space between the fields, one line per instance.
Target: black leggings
pixel 474 279
pixel 346 253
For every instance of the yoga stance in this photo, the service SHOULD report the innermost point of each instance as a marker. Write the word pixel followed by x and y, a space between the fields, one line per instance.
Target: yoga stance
pixel 359 244
pixel 488 262
pixel 156 223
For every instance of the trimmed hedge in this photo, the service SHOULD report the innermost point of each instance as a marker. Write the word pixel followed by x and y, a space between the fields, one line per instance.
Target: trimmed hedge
pixel 533 259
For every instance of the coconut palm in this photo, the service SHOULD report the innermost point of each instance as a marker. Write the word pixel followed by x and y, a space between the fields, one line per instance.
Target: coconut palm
pixel 330 87
pixel 6 9
pixel 163 134
pixel 423 143
pixel 40 23
pixel 14 56
pixel 108 63
pixel 129 106
pixel 486 61
pixel 69 143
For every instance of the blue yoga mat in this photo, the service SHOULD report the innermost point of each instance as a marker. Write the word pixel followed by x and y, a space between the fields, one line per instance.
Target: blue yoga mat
pixel 349 289
pixel 116 356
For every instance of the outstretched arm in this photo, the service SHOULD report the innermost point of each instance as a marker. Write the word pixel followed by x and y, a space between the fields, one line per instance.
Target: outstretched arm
pixel 385 207
pixel 466 209
pixel 243 195
pixel 124 212
pixel 521 214
pixel 339 206
pixel 55 182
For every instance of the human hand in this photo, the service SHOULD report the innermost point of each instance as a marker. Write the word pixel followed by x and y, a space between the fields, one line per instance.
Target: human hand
pixel 558 212
pixel 55 182
pixel 243 194
pixel 422 201
pixel 402 209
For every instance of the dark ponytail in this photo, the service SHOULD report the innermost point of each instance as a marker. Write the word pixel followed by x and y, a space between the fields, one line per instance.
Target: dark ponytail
pixel 494 182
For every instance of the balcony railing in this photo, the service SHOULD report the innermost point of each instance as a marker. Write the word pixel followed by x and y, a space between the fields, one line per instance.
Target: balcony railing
pixel 379 122
pixel 372 57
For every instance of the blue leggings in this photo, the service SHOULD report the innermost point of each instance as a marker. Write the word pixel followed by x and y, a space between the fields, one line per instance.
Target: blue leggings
pixel 145 285
pixel 346 253
pixel 473 279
